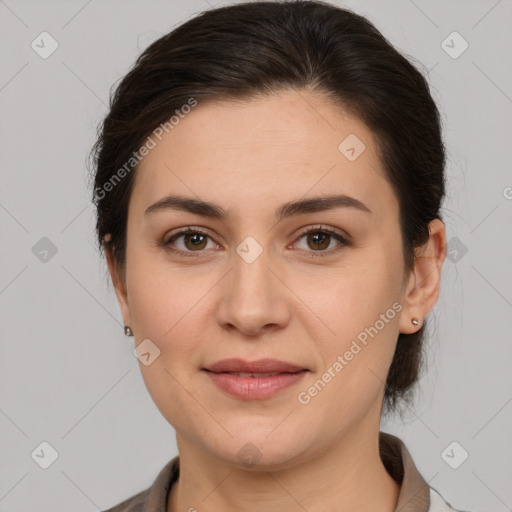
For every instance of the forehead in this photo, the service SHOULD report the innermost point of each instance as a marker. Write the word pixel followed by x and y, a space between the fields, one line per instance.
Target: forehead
pixel 278 147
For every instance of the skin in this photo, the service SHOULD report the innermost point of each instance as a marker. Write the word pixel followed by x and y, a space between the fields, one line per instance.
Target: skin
pixel 250 158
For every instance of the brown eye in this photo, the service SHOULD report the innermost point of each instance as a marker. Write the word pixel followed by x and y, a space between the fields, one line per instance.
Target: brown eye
pixel 187 241
pixel 318 240
pixel 195 241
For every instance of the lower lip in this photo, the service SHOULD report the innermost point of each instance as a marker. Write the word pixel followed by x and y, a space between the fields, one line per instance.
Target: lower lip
pixel 254 388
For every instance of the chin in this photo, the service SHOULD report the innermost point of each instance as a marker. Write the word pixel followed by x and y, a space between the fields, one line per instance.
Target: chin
pixel 260 451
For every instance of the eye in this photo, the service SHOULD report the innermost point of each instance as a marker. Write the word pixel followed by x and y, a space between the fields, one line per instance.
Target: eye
pixel 320 238
pixel 194 240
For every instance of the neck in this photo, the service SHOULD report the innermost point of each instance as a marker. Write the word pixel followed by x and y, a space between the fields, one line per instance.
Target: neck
pixel 346 476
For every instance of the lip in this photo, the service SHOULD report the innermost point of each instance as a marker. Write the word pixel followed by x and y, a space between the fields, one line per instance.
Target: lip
pixel 254 388
pixel 258 366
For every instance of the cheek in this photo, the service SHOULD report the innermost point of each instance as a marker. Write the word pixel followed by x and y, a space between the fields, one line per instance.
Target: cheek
pixel 166 311
pixel 362 309
pixel 358 297
pixel 167 307
pixel 354 362
pixel 159 295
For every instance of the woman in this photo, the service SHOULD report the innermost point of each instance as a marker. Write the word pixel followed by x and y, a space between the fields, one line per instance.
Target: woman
pixel 268 185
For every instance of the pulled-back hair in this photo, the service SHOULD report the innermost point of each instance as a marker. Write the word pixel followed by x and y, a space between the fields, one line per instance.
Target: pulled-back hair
pixel 246 50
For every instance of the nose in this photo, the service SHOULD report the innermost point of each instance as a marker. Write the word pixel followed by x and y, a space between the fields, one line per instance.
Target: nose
pixel 253 299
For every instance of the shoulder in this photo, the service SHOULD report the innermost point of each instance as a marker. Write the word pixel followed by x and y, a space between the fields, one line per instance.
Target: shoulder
pixel 438 503
pixel 133 504
pixel 155 496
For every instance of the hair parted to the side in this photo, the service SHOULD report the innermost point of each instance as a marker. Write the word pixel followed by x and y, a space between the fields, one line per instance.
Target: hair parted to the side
pixel 246 50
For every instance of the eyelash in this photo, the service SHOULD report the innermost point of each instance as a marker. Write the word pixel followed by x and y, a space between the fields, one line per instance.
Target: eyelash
pixel 189 230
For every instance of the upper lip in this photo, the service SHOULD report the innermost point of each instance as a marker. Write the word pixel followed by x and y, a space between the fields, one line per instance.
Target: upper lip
pixel 259 366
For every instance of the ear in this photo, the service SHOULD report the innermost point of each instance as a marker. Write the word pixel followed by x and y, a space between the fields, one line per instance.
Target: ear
pixel 119 282
pixel 423 287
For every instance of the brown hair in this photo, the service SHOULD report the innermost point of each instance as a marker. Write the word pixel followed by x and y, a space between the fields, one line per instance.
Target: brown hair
pixel 249 49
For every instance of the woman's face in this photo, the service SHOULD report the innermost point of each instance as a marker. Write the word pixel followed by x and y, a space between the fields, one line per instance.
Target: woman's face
pixel 258 285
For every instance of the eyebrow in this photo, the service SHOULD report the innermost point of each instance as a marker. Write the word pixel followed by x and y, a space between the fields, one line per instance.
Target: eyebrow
pixel 290 209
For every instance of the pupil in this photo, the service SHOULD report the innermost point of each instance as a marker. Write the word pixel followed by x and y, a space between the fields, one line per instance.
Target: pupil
pixel 195 238
pixel 322 237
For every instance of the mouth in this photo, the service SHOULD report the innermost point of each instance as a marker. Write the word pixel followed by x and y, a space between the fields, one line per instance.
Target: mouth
pixel 257 375
pixel 260 368
pixel 254 385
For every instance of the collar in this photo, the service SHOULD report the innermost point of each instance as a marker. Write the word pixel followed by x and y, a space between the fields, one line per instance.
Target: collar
pixel 414 493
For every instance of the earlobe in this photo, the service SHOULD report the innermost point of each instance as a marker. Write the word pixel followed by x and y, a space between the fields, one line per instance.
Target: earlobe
pixel 118 281
pixel 423 288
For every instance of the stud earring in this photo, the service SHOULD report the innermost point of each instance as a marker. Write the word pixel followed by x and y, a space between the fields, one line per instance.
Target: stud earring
pixel 415 321
pixel 128 331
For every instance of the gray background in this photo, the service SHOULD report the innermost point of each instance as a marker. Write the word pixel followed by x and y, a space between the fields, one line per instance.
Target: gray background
pixel 68 375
